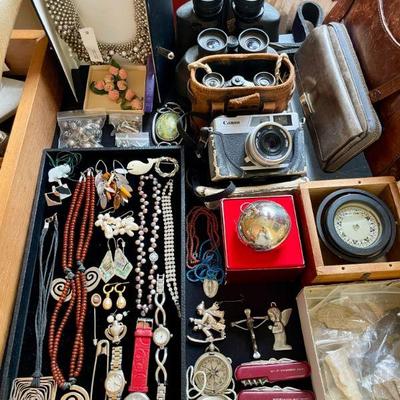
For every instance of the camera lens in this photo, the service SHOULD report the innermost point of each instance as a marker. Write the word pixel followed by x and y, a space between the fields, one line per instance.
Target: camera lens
pixel 253 40
pixel 212 41
pixel 213 80
pixel 264 79
pixel 269 144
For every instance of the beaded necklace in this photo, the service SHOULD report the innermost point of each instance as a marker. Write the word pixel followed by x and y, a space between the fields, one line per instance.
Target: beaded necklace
pixel 82 208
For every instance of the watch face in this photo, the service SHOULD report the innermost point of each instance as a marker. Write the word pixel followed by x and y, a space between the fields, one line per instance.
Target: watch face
pixel 217 372
pixel 115 382
pixel 358 225
pixel 161 336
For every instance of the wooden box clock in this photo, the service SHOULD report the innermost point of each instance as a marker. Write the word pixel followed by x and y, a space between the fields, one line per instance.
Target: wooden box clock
pixel 350 229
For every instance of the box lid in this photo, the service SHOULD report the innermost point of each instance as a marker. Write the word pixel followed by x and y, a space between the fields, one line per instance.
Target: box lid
pixel 144 17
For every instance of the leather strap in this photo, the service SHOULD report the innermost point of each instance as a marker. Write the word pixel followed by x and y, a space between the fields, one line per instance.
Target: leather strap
pixel 385 90
pixel 141 356
pixel 339 11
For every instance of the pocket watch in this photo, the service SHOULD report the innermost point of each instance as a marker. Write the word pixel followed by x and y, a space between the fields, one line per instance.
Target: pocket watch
pixel 356 225
pixel 217 371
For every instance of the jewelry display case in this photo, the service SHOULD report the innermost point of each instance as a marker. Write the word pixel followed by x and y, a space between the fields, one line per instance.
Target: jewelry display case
pixel 323 266
pixel 19 359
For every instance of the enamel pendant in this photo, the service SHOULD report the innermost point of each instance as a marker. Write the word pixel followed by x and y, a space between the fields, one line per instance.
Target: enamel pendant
pixel 121 264
pixel 107 267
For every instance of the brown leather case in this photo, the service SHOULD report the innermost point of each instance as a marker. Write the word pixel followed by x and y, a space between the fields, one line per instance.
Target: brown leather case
pixel 217 101
pixel 334 96
pixel 374 28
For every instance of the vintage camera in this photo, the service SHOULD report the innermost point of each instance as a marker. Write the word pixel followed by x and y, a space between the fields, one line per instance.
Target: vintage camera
pixel 256 146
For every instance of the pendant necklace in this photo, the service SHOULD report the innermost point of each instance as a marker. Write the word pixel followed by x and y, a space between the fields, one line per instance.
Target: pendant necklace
pixel 151 252
pixel 82 209
pixel 38 386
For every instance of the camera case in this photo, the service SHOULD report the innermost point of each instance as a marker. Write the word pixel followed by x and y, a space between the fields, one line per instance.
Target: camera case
pixel 241 99
pixel 256 146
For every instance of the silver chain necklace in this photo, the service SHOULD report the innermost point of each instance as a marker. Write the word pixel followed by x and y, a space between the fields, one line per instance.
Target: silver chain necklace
pixel 67 23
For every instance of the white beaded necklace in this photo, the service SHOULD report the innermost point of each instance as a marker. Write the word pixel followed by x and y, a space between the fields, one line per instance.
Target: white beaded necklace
pixel 152 255
pixel 169 247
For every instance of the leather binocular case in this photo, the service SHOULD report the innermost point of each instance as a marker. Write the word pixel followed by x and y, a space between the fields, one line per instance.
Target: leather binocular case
pixel 241 99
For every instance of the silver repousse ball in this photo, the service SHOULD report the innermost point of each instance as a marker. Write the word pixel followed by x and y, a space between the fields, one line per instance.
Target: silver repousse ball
pixel 264 225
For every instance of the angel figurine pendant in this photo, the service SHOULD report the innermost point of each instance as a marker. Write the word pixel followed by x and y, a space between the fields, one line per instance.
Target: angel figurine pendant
pixel 279 319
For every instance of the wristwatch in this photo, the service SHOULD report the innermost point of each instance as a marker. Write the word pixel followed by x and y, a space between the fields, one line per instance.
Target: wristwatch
pixel 140 363
pixel 161 338
pixel 115 380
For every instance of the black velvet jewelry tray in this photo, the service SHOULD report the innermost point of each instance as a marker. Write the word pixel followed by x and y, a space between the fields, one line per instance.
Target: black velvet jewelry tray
pixel 257 297
pixel 19 359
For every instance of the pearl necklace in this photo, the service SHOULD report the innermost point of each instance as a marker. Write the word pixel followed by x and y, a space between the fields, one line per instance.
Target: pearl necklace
pixel 169 247
pixel 153 256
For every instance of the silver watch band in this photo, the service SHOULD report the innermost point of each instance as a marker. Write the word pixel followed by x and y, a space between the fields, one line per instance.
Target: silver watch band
pixel 161 354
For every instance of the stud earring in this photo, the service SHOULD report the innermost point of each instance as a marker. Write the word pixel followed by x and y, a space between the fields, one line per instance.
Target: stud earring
pixel 121 301
pixel 107 302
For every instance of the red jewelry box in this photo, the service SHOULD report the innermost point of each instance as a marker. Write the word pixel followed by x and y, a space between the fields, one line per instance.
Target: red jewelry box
pixel 243 263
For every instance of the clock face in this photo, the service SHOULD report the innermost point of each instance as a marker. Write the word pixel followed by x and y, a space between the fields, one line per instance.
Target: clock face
pixel 114 382
pixel 357 225
pixel 217 371
pixel 161 336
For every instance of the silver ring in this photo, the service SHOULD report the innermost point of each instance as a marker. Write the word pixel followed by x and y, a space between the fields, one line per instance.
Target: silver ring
pixel 166 160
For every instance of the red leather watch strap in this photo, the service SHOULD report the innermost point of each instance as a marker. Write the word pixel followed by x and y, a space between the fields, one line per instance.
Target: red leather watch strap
pixel 141 356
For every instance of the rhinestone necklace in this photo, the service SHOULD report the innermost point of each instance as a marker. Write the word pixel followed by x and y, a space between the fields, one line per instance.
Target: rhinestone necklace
pixel 67 23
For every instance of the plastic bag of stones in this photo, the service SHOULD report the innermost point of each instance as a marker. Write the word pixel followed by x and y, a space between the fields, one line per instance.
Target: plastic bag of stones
pixel 80 129
pixel 127 130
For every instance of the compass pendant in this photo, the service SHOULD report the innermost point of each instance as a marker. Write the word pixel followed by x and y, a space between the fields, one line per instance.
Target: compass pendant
pixel 356 225
pixel 216 370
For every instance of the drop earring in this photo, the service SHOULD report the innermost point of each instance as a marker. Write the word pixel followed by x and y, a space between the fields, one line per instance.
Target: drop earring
pixel 121 263
pixel 107 267
pixel 121 301
pixel 107 302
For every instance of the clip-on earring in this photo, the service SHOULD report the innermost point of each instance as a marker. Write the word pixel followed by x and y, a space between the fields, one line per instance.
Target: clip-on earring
pixel 107 302
pixel 121 301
